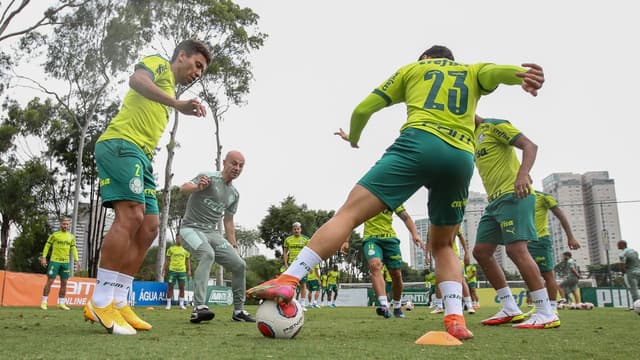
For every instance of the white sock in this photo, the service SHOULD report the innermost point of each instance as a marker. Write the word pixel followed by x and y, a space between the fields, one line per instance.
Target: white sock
pixel 554 304
pixel 541 301
pixel 438 302
pixel 383 300
pixel 105 286
pixel 168 301
pixel 121 293
pixel 60 301
pixel 44 299
pixel 467 302
pixel 397 304
pixel 507 301
pixel 303 263
pixel 452 296
pixel 181 301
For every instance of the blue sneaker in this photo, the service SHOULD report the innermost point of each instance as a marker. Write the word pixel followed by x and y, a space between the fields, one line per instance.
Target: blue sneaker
pixel 383 311
pixel 398 313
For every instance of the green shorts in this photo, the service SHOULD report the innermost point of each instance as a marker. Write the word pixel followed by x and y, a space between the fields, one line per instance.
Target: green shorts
pixel 541 252
pixel 174 277
pixel 57 268
pixel 332 288
pixel 388 287
pixel 508 219
pixel 313 285
pixel 386 249
pixel 125 174
pixel 472 284
pixel 418 158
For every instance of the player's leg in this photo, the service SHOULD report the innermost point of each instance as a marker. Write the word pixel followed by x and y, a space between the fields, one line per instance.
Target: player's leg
pixel 64 277
pixel 466 295
pixel 373 255
pixel 398 287
pixel 52 272
pixel 197 243
pixel 231 261
pixel 171 280
pixel 182 279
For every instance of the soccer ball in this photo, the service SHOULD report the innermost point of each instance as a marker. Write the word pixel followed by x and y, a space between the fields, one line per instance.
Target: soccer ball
pixel 636 307
pixel 408 305
pixel 587 306
pixel 280 321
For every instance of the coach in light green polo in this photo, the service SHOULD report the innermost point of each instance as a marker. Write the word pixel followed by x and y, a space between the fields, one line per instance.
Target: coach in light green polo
pixel 212 197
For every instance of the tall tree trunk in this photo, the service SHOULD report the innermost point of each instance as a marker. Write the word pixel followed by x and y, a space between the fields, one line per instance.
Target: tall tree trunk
pixel 166 199
pixel 4 240
pixel 78 186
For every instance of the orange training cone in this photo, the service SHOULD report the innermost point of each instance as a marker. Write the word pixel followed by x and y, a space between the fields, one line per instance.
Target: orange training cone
pixel 438 338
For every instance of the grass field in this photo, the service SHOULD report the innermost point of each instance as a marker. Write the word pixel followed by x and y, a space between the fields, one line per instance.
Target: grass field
pixel 328 333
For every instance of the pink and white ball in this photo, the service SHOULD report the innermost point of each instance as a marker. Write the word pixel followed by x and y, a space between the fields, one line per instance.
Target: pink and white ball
pixel 280 321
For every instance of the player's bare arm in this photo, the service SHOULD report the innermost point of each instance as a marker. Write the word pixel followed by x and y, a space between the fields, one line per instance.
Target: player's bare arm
pixel 141 82
pixel 189 187
pixel 522 185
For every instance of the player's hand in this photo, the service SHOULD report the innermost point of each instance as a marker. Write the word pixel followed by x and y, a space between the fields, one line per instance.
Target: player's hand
pixel 203 182
pixel 522 186
pixel 573 244
pixel 467 259
pixel 344 249
pixel 533 79
pixel 418 241
pixel 43 262
pixel 191 107
pixel 345 137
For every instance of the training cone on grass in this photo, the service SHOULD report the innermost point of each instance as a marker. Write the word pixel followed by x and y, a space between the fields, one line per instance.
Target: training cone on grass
pixel 438 338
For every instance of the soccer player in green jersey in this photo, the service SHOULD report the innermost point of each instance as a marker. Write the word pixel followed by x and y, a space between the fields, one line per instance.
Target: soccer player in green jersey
pixel 291 247
pixel 178 261
pixel 332 279
pixel 542 250
pixel 430 285
pixel 569 268
pixel 213 198
pixel 324 282
pixel 509 220
pixel 123 157
pixel 470 275
pixel 60 243
pixel 381 248
pixel 630 266
pixel 313 285
pixel 434 150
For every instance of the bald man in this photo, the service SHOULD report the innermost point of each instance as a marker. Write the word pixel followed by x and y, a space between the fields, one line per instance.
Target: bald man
pixel 212 197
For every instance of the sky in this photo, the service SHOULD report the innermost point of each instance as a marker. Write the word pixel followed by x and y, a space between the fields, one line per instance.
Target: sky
pixel 322 58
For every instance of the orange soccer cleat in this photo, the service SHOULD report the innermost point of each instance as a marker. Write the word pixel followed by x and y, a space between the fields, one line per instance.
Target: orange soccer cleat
pixel 281 289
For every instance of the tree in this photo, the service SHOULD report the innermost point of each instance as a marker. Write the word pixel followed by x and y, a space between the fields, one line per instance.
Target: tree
pixel 20 189
pixel 230 30
pixel 246 239
pixel 28 32
pixel 27 247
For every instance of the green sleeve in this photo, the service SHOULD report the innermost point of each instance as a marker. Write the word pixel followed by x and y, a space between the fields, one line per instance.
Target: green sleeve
pixel 45 251
pixel 362 113
pixel 75 249
pixel 492 75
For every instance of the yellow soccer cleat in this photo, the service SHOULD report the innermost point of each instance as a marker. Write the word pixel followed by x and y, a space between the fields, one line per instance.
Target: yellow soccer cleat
pixel 43 306
pixel 133 319
pixel 108 317
pixel 63 307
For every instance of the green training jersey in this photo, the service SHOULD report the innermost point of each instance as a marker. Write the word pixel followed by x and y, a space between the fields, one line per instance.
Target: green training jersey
pixel 206 207
pixel 61 243
pixel 441 95
pixel 470 272
pixel 294 245
pixel 429 280
pixel 332 277
pixel 629 258
pixel 140 120
pixel 495 156
pixel 313 274
pixel 324 280
pixel 177 258
pixel 544 203
pixel 380 225
pixel 386 274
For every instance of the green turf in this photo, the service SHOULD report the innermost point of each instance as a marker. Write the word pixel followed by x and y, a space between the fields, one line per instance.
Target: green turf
pixel 329 333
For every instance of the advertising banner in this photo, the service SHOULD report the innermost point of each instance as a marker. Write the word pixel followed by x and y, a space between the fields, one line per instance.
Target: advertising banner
pixel 23 289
